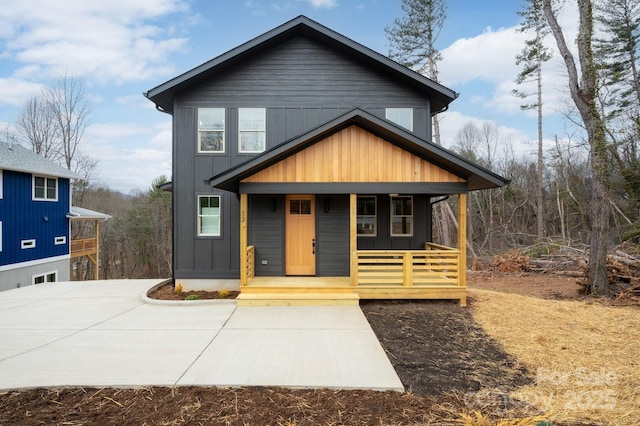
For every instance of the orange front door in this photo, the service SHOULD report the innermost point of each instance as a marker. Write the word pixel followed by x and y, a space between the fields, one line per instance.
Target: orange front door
pixel 300 235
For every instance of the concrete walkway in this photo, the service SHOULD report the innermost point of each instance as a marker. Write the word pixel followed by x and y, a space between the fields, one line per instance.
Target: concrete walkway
pixel 102 333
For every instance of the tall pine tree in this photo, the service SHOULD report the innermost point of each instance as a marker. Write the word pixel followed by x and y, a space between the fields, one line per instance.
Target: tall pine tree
pixel 533 56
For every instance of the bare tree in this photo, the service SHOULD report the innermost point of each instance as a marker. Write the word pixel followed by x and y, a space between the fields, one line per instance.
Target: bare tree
pixel 70 109
pixel 37 125
pixel 583 89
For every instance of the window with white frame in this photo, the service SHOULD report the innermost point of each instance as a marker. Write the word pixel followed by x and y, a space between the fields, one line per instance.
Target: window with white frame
pixel 367 218
pixel 48 277
pixel 28 244
pixel 60 240
pixel 401 116
pixel 45 188
pixel 401 216
pixel 252 127
pixel 211 130
pixel 209 215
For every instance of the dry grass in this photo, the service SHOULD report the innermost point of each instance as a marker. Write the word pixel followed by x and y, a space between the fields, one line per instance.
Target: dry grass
pixel 585 354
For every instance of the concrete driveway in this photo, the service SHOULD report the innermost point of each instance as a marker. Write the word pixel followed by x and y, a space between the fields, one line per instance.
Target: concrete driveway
pixel 102 333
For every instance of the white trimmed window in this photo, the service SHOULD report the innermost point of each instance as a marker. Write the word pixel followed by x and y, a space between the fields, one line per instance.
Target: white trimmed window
pixel 45 188
pixel 209 215
pixel 252 126
pixel 60 240
pixel 49 277
pixel 401 216
pixel 211 130
pixel 28 244
pixel 367 218
pixel 401 116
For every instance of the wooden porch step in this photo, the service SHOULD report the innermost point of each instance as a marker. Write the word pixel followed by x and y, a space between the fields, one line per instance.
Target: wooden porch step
pixel 296 299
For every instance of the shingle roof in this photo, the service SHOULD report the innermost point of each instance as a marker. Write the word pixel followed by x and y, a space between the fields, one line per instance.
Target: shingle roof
pixel 18 158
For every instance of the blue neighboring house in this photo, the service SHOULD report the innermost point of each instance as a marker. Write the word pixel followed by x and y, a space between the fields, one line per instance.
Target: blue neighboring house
pixel 35 210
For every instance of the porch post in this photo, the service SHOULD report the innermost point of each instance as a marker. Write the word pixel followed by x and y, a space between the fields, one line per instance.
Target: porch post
pixel 243 239
pixel 353 239
pixel 97 265
pixel 462 239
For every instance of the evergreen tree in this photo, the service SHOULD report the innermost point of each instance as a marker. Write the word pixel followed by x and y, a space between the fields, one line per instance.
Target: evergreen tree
pixel 533 56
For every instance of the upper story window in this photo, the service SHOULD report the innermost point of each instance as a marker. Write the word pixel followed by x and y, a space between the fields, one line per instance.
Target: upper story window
pixel 211 129
pixel 401 216
pixel 209 215
pixel 45 188
pixel 252 126
pixel 401 116
pixel 366 221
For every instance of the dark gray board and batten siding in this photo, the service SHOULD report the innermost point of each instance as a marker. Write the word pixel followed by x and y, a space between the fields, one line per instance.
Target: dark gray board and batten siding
pixel 302 84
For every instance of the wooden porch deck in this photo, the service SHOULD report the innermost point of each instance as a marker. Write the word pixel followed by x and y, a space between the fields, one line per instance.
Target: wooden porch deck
pixel 337 291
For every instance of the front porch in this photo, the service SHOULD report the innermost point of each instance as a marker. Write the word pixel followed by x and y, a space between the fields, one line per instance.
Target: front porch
pixel 437 272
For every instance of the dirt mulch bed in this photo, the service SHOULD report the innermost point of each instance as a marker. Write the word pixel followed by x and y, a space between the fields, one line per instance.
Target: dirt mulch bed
pixel 167 292
pixel 444 358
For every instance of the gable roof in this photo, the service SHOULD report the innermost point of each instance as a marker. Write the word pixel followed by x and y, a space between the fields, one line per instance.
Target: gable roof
pixel 163 94
pixel 17 158
pixel 477 177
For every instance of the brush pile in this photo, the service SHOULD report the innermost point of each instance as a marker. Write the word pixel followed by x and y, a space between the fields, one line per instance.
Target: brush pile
pixel 623 266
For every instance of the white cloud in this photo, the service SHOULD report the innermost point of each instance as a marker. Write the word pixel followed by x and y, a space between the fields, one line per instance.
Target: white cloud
pixel 130 155
pixel 323 4
pixel 489 56
pixel 16 92
pixel 113 41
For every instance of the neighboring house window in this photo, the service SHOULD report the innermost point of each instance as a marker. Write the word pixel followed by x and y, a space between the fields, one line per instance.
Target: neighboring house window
pixel 209 215
pixel 252 126
pixel 60 240
pixel 210 129
pixel 27 244
pixel 45 188
pixel 401 116
pixel 401 216
pixel 49 277
pixel 367 216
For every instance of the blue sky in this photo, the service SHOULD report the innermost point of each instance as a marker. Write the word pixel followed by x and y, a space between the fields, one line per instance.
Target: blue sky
pixel 122 48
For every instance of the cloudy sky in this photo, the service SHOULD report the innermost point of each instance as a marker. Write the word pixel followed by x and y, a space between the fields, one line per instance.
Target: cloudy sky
pixel 122 48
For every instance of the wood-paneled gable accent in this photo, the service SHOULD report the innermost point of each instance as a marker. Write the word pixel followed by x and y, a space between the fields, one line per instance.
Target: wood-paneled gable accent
pixel 353 155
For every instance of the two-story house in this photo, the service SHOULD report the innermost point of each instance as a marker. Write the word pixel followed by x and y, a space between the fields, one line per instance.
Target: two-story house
pixel 35 215
pixel 303 165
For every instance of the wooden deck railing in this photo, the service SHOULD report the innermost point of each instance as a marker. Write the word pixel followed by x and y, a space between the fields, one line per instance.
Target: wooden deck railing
pixel 83 247
pixel 437 265
pixel 251 256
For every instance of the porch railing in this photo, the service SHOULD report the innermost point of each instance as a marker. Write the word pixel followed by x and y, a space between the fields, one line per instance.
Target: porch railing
pixel 436 265
pixel 82 247
pixel 251 256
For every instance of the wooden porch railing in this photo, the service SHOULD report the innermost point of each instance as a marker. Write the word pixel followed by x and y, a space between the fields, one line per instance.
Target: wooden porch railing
pixel 437 265
pixel 251 256
pixel 83 247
